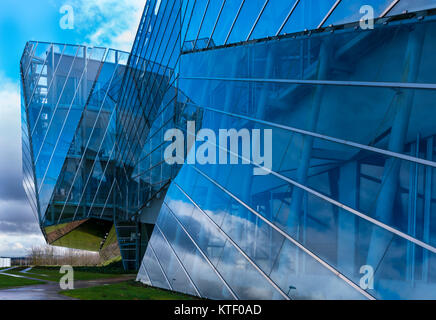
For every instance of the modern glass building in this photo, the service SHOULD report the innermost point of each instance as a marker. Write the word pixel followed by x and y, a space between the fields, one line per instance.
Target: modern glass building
pixel 347 209
pixel 69 133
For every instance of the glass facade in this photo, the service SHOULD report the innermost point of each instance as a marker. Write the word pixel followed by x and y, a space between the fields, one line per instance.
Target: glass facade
pixel 68 119
pixel 351 187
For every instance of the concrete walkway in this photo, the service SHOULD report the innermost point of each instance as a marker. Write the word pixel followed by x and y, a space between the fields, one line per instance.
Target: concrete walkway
pixel 7 269
pixel 50 290
pixel 5 273
pixel 26 271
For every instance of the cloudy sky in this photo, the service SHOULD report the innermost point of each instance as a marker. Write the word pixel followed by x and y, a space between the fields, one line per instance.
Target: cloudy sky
pixel 108 23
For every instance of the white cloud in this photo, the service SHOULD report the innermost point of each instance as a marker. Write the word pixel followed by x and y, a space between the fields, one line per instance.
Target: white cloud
pixel 109 23
pixel 10 111
pixel 106 23
pixel 18 245
pixel 18 226
pixel 17 217
pixel 10 140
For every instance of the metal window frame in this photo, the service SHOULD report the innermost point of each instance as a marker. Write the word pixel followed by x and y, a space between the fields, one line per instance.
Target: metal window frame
pixel 389 8
pixel 91 171
pixel 64 123
pixel 235 296
pixel 257 20
pixel 336 203
pixel 88 140
pixel 48 91
pixel 99 185
pixel 234 21
pixel 131 83
pixel 235 245
pixel 295 242
pixel 178 260
pixel 333 8
pixel 146 273
pixel 201 24
pixel 328 138
pixel 57 104
pixel 31 56
pixel 370 84
pixel 287 17
pixel 39 78
pixel 216 22
pixel 160 265
pixel 127 125
pixel 107 199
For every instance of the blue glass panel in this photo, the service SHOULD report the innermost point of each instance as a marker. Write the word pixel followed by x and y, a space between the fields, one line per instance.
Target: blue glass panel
pixel 202 274
pixel 154 25
pixel 272 18
pixel 42 106
pixel 349 10
pixel 208 25
pixel 171 266
pixel 144 27
pixel 308 15
pixel 223 220
pixel 304 278
pixel 169 20
pixel 196 19
pixel 240 274
pixel 225 21
pixel 142 275
pixel 187 14
pixel 249 13
pixel 154 271
pixel 411 6
pixel 177 202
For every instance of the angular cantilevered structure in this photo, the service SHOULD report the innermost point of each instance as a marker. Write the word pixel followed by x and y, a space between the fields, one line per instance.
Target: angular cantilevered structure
pixel 68 122
pixel 347 209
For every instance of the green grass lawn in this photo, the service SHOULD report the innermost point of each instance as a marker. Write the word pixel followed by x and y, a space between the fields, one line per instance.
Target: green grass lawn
pixel 80 273
pixel 129 290
pixel 10 282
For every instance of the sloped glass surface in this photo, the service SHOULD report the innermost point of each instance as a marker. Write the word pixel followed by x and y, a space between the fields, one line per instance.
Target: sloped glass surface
pixel 307 15
pixel 411 6
pixel 350 10
pixel 272 18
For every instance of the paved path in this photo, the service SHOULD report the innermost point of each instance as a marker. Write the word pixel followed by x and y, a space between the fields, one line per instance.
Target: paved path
pixel 26 271
pixel 5 273
pixel 7 269
pixel 50 291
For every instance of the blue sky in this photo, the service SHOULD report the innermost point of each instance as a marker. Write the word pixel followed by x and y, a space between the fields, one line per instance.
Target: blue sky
pixel 108 23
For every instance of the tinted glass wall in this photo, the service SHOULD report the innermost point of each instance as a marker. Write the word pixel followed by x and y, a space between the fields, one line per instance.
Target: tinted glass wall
pixel 69 96
pixel 346 210
pixel 351 185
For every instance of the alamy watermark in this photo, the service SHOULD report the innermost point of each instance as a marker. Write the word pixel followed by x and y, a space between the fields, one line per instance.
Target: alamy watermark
pixel 367 280
pixel 67 20
pixel 67 281
pixel 220 150
pixel 367 20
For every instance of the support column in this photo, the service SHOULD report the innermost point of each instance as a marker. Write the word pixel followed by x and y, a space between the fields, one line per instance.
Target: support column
pixel 427 208
pixel 412 214
pixel 138 243
pixel 347 229
pixel 297 194
pixel 381 238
